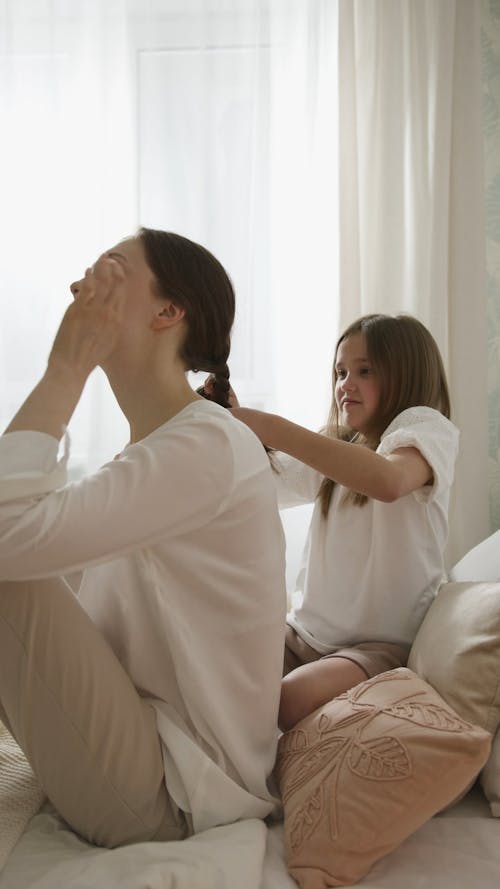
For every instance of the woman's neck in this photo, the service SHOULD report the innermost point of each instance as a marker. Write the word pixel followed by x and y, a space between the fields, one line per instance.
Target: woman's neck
pixel 149 398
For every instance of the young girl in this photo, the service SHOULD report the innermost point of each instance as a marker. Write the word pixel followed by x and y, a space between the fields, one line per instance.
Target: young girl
pixel 147 705
pixel 380 478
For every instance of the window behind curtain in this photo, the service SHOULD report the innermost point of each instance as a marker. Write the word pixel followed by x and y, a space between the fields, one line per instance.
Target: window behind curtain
pixel 215 119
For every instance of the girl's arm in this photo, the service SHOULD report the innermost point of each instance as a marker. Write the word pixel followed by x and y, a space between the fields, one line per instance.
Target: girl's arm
pixel 85 337
pixel 385 478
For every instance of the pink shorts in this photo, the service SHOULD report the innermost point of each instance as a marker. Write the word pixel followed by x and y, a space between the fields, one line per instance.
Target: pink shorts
pixel 372 657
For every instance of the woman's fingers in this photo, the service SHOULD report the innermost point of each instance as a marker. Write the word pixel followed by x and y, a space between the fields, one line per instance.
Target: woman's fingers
pixel 92 324
pixel 101 281
pixel 86 290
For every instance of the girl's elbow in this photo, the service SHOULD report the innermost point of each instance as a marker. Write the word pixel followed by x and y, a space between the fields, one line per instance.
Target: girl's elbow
pixel 391 490
pixel 386 497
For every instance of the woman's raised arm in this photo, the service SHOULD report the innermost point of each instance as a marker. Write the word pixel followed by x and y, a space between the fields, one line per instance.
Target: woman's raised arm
pixel 86 336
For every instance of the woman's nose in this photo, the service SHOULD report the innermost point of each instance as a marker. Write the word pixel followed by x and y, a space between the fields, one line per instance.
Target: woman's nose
pixel 75 288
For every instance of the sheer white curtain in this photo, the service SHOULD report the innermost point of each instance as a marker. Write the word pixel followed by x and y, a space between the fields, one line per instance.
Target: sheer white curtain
pixel 219 119
pixel 66 155
pixel 304 206
pixel 214 118
pixel 411 207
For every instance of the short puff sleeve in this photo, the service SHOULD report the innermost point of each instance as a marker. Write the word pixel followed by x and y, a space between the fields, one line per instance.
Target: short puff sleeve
pixel 296 483
pixel 434 436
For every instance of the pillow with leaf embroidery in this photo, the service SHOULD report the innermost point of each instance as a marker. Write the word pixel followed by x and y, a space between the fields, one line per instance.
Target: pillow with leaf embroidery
pixel 364 771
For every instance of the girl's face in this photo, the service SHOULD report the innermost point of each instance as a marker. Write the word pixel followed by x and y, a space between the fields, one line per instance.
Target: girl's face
pixel 357 387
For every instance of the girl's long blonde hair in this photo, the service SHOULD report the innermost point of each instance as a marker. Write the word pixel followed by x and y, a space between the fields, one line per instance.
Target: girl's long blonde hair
pixel 408 364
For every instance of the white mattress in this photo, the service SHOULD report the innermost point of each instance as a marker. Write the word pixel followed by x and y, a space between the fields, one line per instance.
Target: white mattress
pixel 459 849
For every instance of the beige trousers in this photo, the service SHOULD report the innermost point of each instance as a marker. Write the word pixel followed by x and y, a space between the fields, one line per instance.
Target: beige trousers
pixel 91 740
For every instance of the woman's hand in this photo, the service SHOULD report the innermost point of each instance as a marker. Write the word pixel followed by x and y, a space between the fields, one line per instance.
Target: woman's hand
pixel 86 337
pixel 91 325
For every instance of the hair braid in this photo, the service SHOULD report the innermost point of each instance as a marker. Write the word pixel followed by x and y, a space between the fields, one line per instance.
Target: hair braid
pixel 221 385
pixel 219 389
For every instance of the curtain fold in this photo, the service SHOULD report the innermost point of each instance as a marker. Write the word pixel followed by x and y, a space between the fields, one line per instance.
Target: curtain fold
pixel 304 205
pixel 411 206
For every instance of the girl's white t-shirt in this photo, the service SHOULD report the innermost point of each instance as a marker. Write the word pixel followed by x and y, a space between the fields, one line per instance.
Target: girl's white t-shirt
pixel 182 552
pixel 369 573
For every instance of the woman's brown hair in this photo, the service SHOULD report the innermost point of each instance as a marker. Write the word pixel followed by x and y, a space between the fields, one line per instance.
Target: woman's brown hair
pixel 408 364
pixel 196 281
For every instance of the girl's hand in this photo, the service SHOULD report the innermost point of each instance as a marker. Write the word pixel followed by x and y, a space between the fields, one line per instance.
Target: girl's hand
pixel 91 325
pixel 233 399
pixel 258 421
pixel 208 387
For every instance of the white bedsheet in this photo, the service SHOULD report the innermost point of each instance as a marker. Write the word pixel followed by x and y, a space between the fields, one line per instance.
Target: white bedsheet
pixel 457 850
pixel 20 794
pixel 49 856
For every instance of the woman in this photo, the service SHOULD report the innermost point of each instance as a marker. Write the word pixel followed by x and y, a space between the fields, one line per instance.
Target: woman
pixel 147 704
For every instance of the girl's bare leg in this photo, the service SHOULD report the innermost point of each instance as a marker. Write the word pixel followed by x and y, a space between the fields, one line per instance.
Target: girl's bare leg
pixel 310 686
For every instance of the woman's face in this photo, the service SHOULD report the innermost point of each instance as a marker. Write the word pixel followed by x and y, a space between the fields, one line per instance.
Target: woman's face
pixel 136 277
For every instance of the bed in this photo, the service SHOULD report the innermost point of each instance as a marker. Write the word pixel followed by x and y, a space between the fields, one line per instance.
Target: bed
pixel 458 850
pixel 450 845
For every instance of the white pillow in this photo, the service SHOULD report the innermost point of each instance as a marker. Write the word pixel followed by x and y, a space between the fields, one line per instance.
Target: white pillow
pixel 490 777
pixel 482 563
pixel 457 651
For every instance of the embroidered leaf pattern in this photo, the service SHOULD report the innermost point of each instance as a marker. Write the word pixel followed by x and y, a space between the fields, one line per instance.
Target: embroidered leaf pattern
pixel 293 741
pixel 307 766
pixel 354 694
pixel 327 724
pixel 306 819
pixel 426 714
pixel 359 690
pixel 379 759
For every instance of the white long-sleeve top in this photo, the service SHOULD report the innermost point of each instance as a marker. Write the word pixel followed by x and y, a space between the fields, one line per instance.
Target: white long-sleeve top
pixel 369 573
pixel 182 552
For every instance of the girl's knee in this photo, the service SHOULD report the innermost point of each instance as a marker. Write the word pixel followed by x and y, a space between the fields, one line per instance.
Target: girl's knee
pixel 293 702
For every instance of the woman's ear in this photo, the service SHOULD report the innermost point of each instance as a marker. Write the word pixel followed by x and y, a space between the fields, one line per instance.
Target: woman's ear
pixel 168 316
